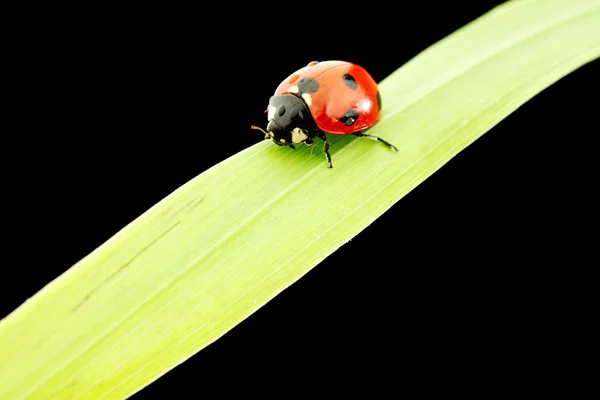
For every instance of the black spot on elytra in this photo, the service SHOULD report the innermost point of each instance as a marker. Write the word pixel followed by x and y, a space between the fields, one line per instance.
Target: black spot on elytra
pixel 307 85
pixel 378 100
pixel 349 81
pixel 349 117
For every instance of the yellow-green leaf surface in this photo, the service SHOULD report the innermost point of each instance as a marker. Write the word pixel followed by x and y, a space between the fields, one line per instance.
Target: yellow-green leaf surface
pixel 203 259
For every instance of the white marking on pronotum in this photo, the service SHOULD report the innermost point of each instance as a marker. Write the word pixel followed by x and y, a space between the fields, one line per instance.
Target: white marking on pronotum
pixel 282 140
pixel 293 89
pixel 271 112
pixel 298 135
pixel 307 99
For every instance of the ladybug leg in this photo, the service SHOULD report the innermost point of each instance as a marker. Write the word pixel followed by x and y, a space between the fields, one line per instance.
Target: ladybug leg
pixel 372 137
pixel 309 142
pixel 323 137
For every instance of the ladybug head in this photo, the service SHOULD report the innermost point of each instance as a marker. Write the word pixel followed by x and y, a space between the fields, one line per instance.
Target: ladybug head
pixel 290 121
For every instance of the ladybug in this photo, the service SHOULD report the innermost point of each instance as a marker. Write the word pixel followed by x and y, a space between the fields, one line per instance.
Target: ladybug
pixel 329 97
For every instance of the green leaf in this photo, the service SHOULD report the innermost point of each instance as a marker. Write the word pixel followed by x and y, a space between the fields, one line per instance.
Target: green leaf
pixel 221 246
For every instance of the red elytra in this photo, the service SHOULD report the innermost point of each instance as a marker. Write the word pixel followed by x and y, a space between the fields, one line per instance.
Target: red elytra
pixel 336 95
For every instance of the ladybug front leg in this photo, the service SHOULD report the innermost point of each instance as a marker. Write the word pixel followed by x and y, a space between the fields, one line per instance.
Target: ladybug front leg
pixel 323 137
pixel 373 137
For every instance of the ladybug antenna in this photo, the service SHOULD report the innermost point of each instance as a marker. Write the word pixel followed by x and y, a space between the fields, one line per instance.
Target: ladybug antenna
pixel 267 134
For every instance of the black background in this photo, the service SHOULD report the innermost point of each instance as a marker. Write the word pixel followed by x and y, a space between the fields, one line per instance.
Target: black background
pixel 115 113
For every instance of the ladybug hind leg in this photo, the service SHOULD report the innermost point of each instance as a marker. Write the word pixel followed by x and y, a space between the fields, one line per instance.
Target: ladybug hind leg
pixel 373 137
